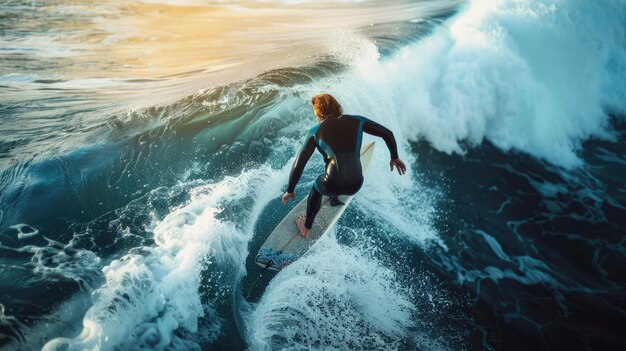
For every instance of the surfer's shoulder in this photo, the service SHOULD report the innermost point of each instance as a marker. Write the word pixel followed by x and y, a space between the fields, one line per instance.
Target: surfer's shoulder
pixel 314 129
pixel 365 119
pixel 358 117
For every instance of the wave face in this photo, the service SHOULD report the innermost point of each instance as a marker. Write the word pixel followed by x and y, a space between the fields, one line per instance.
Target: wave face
pixel 133 229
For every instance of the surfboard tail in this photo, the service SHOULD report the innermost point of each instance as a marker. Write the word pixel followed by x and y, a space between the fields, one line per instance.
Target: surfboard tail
pixel 268 257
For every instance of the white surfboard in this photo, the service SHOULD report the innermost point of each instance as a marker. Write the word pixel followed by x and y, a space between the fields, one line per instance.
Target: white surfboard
pixel 286 245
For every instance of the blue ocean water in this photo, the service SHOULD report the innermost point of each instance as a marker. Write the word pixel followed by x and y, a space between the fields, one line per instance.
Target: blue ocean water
pixel 126 222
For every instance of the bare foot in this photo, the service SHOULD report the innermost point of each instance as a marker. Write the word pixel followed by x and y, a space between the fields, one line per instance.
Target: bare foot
pixel 304 231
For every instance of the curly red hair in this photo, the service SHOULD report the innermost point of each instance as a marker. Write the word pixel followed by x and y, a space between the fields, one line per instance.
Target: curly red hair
pixel 326 106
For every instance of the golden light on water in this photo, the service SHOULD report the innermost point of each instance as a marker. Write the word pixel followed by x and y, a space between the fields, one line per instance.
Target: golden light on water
pixel 143 53
pixel 157 40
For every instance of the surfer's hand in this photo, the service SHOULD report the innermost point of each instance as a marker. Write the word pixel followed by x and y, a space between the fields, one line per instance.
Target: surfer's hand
pixel 399 165
pixel 288 196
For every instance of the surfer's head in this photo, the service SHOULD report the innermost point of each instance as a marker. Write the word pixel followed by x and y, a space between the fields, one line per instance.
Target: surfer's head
pixel 325 106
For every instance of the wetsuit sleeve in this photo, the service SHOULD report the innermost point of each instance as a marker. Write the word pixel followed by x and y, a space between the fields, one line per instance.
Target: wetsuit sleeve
pixel 298 166
pixel 373 128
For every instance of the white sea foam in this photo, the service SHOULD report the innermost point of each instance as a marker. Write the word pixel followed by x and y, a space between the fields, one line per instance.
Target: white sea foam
pixel 536 76
pixel 334 298
pixel 399 202
pixel 151 293
pixel 24 231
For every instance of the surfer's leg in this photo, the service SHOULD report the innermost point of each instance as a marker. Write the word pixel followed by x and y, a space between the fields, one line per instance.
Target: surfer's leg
pixel 314 203
pixel 312 207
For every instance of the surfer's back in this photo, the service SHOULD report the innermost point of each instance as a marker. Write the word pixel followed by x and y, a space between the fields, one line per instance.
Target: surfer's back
pixel 341 133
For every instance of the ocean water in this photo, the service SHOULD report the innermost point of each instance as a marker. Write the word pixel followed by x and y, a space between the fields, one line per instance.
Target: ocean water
pixel 145 146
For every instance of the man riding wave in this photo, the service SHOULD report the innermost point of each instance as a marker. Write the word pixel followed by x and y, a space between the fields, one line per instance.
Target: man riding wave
pixel 337 137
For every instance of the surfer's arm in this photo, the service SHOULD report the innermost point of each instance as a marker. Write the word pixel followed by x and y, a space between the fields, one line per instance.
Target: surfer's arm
pixel 373 128
pixel 298 166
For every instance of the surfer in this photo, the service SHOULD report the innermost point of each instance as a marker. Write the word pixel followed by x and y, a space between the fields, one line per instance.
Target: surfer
pixel 338 138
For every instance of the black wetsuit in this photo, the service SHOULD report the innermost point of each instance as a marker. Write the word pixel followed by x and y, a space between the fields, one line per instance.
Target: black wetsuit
pixel 338 139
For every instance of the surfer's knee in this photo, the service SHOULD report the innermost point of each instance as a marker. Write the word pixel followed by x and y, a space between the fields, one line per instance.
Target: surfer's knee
pixel 334 201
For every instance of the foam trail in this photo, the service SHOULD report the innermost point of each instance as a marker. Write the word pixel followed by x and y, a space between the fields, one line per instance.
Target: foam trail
pixel 335 298
pixel 536 76
pixel 152 292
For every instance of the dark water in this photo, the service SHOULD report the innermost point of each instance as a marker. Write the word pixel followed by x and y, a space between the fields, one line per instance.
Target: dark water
pixel 540 248
pixel 131 228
